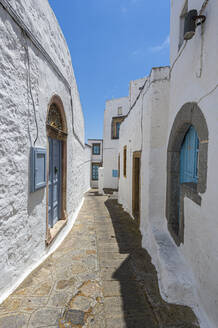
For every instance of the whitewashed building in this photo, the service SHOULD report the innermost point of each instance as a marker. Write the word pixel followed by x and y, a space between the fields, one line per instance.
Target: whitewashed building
pixel 114 114
pixel 168 156
pixel 44 163
pixel 96 160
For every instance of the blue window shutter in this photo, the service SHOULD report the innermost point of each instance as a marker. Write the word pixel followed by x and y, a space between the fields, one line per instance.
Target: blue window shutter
pixel 115 173
pixel 118 129
pixel 38 168
pixel 189 157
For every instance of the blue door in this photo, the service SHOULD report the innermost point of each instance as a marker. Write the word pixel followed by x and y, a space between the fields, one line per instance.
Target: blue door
pixel 95 172
pixel 54 184
pixel 189 157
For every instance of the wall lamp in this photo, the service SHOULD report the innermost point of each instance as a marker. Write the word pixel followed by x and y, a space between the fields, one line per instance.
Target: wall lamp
pixel 192 19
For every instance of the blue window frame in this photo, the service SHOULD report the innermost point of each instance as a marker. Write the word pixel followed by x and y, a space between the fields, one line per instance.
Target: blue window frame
pixel 38 168
pixel 95 172
pixel 189 157
pixel 115 173
pixel 96 149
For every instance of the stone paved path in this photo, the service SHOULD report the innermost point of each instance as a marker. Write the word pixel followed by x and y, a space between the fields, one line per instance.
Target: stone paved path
pixel 99 277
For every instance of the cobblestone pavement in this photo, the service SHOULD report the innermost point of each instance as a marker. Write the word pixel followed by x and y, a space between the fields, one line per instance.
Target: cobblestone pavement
pixel 99 277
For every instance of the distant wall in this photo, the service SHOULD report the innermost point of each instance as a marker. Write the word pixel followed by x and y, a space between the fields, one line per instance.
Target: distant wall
pixel 110 153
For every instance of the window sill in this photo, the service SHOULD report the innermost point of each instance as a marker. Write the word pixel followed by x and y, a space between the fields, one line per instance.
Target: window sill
pixel 53 232
pixel 190 190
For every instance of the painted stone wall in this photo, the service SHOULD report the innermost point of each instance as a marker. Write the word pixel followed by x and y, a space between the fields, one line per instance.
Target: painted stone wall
pixel 110 151
pixel 194 79
pixel 26 87
pixel 145 130
pixel 131 137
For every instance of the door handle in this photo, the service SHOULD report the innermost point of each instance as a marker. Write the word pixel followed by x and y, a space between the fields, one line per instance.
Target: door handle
pixel 55 170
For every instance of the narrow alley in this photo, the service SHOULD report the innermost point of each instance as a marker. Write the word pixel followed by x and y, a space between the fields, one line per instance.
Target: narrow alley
pixel 99 277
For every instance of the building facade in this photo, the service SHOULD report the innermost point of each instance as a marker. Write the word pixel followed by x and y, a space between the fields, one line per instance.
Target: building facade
pixel 96 160
pixel 167 150
pixel 114 114
pixel 44 163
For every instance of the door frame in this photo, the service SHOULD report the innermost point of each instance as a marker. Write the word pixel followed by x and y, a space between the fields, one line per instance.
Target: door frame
pixel 57 129
pixel 136 154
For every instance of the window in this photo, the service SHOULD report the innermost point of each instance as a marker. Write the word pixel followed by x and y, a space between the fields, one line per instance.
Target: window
pixel 95 171
pixel 115 173
pixel 119 110
pixel 186 166
pixel 182 24
pixel 115 127
pixel 124 161
pixel 189 157
pixel 96 149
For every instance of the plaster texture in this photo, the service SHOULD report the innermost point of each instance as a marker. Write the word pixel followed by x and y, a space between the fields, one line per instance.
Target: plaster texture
pixel 197 66
pixel 145 129
pixel 110 146
pixel 187 274
pixel 131 137
pixel 101 180
pixel 23 214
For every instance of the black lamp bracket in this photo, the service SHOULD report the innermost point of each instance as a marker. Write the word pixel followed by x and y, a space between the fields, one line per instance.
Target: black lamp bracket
pixel 199 20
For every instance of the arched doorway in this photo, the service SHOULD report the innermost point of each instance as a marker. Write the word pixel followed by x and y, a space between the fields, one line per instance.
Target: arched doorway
pixel 186 165
pixel 56 127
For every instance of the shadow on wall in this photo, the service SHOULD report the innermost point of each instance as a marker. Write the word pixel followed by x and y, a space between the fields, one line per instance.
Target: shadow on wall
pixel 143 306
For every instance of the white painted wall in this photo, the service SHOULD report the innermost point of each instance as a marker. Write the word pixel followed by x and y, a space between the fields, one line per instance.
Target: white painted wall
pixel 130 136
pixel 110 151
pixel 187 274
pixel 194 79
pixel 146 129
pixel 101 180
pixel 23 215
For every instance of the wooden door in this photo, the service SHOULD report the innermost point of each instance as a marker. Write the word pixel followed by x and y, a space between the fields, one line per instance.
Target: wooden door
pixel 54 199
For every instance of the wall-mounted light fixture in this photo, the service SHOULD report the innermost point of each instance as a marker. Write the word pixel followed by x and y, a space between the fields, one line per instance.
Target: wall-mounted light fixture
pixel 192 19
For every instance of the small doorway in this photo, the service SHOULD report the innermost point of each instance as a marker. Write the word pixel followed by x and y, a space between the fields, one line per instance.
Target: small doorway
pixel 136 186
pixel 56 128
pixel 54 183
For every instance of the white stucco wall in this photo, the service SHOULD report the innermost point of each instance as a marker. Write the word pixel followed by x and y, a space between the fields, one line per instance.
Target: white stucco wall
pixel 101 180
pixel 23 215
pixel 194 79
pixel 146 129
pixel 131 137
pixel 110 146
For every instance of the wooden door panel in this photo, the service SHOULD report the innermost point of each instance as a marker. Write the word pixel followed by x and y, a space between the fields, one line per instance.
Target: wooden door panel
pixel 54 201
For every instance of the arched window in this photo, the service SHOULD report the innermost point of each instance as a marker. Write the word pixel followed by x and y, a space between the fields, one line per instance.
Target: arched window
pixel 189 157
pixel 186 165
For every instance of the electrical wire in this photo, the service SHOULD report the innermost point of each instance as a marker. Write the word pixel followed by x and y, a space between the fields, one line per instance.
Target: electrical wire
pixel 10 10
pixel 30 85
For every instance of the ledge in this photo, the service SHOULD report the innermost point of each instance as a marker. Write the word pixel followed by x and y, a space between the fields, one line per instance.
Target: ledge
pixel 190 190
pixel 53 232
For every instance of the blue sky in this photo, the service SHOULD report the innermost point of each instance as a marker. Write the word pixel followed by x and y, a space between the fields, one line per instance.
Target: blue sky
pixel 111 43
